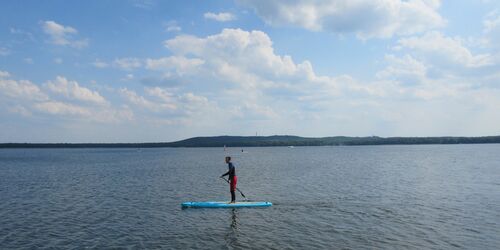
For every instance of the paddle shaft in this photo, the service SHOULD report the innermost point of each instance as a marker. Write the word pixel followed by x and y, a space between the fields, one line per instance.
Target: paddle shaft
pixel 236 188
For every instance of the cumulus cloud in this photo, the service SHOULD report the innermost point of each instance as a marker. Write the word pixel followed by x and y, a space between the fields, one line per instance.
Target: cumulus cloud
pixel 235 78
pixel 235 50
pixel 162 93
pixel 220 17
pixel 142 102
pixel 22 89
pixel 406 70
pixel 28 100
pixel 252 80
pixel 168 106
pixel 63 35
pixel 491 29
pixel 434 44
pixel 248 62
pixel 366 18
pixel 491 22
pixel 4 74
pixel 72 89
pixel 438 67
pixel 257 85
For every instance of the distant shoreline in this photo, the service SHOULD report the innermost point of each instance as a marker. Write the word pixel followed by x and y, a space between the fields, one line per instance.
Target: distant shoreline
pixel 270 141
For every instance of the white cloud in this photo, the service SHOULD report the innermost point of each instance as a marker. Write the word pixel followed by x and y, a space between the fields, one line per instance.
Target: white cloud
pixel 63 35
pixel 61 108
pixel 171 107
pixel 491 21
pixel 491 29
pixel 366 18
pixel 163 94
pixel 437 67
pixel 142 102
pixel 21 89
pixel 128 63
pixel 4 74
pixel 234 50
pixel 85 114
pixel 172 26
pixel 253 80
pixel 58 60
pixel 72 89
pixel 447 49
pixel 235 79
pixel 406 70
pixel 179 64
pixel 247 61
pixel 220 17
pixel 29 100
pixel 426 74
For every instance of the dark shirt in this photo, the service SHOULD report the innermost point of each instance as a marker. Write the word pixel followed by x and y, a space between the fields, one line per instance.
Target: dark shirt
pixel 231 172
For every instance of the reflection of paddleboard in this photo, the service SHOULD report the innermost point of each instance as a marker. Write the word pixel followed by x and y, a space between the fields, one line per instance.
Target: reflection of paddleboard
pixel 225 204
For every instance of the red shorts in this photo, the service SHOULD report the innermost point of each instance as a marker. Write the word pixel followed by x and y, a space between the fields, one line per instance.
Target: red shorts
pixel 232 183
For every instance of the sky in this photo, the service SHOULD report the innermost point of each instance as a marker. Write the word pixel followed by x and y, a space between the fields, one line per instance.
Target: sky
pixel 153 71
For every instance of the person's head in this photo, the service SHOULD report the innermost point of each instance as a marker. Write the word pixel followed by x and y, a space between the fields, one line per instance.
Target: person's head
pixel 228 159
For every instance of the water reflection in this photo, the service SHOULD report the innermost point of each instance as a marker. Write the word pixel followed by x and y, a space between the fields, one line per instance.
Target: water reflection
pixel 234 220
pixel 232 234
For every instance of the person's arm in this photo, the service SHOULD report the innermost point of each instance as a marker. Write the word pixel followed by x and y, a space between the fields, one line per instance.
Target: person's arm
pixel 230 171
pixel 225 174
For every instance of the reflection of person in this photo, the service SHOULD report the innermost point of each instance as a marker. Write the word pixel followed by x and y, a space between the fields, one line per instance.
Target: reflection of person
pixel 233 179
pixel 232 234
pixel 234 222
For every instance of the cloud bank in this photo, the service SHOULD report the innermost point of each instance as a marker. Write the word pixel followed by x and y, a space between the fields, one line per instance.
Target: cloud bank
pixel 365 18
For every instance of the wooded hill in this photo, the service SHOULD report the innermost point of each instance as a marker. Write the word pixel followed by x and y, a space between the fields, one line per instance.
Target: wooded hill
pixel 264 141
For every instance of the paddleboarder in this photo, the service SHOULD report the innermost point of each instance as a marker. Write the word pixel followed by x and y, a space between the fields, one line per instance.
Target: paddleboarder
pixel 233 179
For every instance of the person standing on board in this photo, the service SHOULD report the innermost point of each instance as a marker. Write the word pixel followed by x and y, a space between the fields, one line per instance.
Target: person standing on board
pixel 233 179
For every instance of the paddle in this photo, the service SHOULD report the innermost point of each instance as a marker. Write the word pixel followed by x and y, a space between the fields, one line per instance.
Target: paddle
pixel 236 188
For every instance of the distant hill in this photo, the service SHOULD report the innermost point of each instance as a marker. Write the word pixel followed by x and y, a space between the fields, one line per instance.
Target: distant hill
pixel 264 141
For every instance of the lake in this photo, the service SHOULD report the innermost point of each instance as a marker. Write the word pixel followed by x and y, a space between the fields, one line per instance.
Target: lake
pixel 357 197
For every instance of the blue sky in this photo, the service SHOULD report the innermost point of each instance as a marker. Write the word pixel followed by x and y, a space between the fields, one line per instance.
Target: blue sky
pixel 147 70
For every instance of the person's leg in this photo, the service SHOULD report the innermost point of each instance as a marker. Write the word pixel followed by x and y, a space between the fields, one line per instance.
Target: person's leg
pixel 233 188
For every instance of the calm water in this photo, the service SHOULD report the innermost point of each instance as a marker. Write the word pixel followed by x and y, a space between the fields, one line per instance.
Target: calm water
pixel 382 197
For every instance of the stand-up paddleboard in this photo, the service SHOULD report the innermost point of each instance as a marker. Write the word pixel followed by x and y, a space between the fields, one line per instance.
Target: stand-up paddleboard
pixel 225 204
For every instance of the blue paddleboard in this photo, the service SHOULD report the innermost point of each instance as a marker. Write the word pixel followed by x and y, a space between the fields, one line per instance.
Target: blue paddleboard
pixel 225 204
